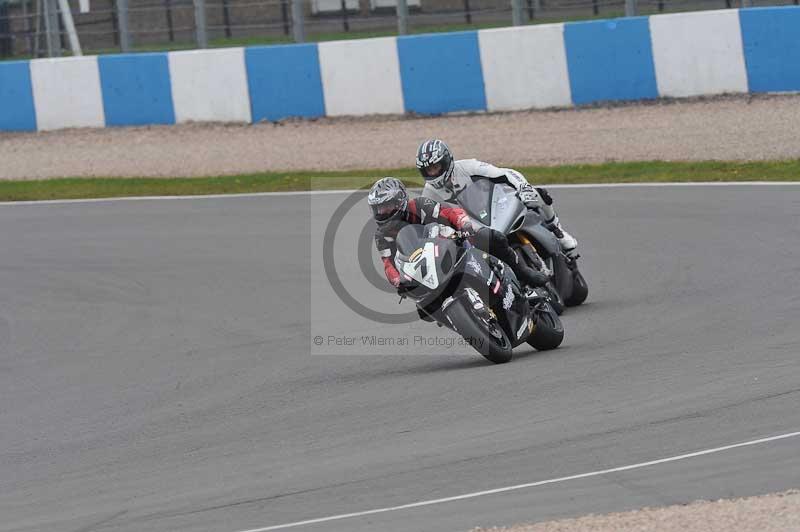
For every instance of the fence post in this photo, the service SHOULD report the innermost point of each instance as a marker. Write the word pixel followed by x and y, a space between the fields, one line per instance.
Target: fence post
pixel 630 8
pixel 6 42
pixel 516 12
pixel 28 27
pixel 226 18
pixel 51 29
pixel 402 17
pixel 201 35
pixel 345 22
pixel 298 24
pixel 285 16
pixel 122 24
pixel 114 23
pixel 69 26
pixel 170 27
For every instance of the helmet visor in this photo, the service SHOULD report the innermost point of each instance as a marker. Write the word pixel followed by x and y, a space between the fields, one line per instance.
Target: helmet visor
pixel 432 171
pixel 387 209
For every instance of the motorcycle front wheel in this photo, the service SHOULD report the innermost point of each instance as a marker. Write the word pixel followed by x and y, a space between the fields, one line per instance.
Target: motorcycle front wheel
pixel 556 300
pixel 536 262
pixel 482 331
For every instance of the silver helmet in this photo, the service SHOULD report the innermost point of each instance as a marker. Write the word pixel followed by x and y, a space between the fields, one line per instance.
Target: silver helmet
pixel 387 199
pixel 435 162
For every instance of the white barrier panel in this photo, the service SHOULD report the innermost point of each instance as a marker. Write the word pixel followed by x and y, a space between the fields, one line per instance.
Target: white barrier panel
pixel 525 67
pixel 698 53
pixel 361 77
pixel 209 85
pixel 66 92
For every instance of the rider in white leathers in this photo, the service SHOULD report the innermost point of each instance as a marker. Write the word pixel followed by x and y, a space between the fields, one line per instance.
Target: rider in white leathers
pixel 445 178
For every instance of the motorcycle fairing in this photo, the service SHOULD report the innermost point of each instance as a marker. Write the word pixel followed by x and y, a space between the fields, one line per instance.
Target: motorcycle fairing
pixel 472 272
pixel 421 265
pixel 546 242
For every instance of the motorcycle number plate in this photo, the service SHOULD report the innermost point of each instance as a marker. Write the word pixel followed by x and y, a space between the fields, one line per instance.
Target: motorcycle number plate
pixel 421 266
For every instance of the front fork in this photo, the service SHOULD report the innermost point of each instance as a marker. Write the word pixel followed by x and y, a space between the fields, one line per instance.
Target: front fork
pixel 532 254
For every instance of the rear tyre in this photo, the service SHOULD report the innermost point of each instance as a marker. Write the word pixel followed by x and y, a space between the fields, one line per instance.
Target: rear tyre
pixel 562 279
pixel 482 331
pixel 580 289
pixel 549 331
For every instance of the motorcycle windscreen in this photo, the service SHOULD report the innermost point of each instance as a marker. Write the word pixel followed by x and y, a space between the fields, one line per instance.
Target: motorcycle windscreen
pixel 493 204
pixel 508 212
pixel 409 238
pixel 476 199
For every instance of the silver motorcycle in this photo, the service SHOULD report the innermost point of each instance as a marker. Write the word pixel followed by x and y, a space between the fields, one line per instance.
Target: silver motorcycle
pixel 496 205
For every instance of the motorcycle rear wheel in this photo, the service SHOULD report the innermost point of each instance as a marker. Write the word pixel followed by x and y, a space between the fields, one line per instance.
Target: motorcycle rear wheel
pixel 580 289
pixel 485 336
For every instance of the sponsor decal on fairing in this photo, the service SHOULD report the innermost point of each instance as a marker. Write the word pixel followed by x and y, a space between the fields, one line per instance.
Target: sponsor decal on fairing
pixel 508 299
pixel 475 266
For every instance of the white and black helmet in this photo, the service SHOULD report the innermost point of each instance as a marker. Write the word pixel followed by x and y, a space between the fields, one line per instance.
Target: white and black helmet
pixel 387 199
pixel 435 162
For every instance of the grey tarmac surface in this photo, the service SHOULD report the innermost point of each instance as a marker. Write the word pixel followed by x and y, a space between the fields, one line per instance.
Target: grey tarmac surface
pixel 156 370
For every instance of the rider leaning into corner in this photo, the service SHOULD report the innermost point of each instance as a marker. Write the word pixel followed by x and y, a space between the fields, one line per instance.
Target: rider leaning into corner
pixel 392 210
pixel 445 178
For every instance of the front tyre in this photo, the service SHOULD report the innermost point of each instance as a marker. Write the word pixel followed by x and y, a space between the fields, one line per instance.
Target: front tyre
pixel 482 331
pixel 535 261
pixel 549 331
pixel 556 300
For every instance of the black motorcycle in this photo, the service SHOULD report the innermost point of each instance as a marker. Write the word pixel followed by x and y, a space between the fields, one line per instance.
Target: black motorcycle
pixel 473 293
pixel 496 205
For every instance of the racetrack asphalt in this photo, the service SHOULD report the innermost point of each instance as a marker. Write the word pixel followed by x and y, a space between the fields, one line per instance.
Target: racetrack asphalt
pixel 157 370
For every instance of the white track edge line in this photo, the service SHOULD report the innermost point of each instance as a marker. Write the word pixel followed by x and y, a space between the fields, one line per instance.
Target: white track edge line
pixel 524 486
pixel 350 191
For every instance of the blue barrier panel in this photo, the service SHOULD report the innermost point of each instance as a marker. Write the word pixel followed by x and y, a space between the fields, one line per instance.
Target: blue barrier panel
pixel 771 40
pixel 441 73
pixel 610 60
pixel 17 112
pixel 136 89
pixel 284 81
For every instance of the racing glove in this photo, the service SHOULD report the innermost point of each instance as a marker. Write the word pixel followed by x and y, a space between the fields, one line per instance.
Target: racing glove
pixel 528 195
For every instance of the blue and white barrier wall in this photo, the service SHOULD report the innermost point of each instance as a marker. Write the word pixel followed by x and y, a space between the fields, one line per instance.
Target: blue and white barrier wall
pixel 555 65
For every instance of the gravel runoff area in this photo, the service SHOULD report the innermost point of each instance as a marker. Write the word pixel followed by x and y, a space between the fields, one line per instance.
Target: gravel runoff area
pixel 769 513
pixel 723 128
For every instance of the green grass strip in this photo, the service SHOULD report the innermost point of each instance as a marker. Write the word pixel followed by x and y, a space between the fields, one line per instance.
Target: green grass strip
pixel 629 172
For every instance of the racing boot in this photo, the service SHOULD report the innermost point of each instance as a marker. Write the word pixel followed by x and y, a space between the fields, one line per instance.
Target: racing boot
pixel 568 243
